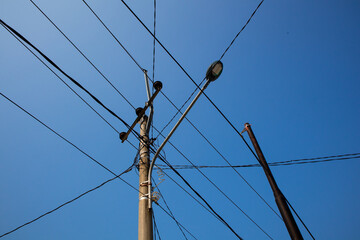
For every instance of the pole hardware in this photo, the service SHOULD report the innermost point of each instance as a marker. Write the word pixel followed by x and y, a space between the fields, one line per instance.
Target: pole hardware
pixel 280 199
pixel 212 73
pixel 141 111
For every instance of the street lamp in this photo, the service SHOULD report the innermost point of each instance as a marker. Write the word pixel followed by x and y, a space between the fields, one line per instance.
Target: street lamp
pixel 212 73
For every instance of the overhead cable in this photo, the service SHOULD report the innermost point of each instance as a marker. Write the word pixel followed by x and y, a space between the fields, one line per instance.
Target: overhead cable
pixel 198 87
pixel 66 203
pixel 247 22
pixel 281 163
pixel 168 208
pixel 201 197
pixel 66 140
pixel 87 59
pixel 59 69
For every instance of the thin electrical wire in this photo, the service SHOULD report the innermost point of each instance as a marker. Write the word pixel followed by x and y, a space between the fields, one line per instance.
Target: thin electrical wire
pixel 282 163
pixel 199 195
pixel 87 59
pixel 163 94
pixel 66 74
pixel 66 140
pixel 154 43
pixel 253 189
pixel 155 226
pixel 223 193
pixel 66 203
pixel 175 220
pixel 67 85
pixel 247 22
pixel 117 40
pixel 307 229
pixel 52 64
pixel 168 208
pixel 198 87
pixel 116 176
pixel 187 74
pixel 6 26
pixel 153 66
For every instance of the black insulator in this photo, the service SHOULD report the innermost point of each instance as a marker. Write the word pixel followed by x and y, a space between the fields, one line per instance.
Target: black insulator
pixel 138 111
pixel 157 85
pixel 122 136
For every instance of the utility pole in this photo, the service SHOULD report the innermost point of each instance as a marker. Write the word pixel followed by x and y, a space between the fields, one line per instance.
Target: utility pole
pixel 145 227
pixel 280 199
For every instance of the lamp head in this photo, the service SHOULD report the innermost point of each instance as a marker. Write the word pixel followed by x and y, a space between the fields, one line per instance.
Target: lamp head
pixel 214 71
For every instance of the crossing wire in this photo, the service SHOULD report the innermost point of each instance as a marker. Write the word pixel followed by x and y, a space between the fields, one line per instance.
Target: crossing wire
pixel 87 59
pixel 201 197
pixel 175 219
pixel 6 26
pixel 81 195
pixel 67 85
pixel 180 110
pixel 168 208
pixel 280 163
pixel 19 35
pixel 66 203
pixel 65 139
pixel 25 40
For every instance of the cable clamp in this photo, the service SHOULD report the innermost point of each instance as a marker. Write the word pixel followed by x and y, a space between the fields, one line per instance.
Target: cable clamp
pixel 144 197
pixel 144 184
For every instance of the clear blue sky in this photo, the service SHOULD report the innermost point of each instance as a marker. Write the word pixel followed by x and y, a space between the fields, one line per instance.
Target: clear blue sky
pixel 293 74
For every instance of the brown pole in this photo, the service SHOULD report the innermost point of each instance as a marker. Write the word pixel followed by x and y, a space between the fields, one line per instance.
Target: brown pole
pixel 280 200
pixel 145 228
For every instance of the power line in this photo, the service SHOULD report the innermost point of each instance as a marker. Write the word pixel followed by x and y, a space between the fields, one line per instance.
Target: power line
pixel 247 22
pixel 155 226
pixel 175 220
pixel 59 69
pixel 66 140
pixel 307 229
pixel 63 81
pixel 207 178
pixel 117 40
pixel 74 81
pixel 202 198
pixel 116 176
pixel 66 203
pixel 198 87
pixel 87 59
pixel 281 163
pixel 170 100
pixel 168 208
pixel 182 188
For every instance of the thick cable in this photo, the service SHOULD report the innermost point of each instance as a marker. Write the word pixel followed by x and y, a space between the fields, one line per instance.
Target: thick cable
pixel 64 73
pixel 67 85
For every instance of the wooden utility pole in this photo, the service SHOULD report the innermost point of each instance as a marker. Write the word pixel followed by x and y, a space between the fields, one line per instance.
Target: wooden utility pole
pixel 280 199
pixel 145 231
